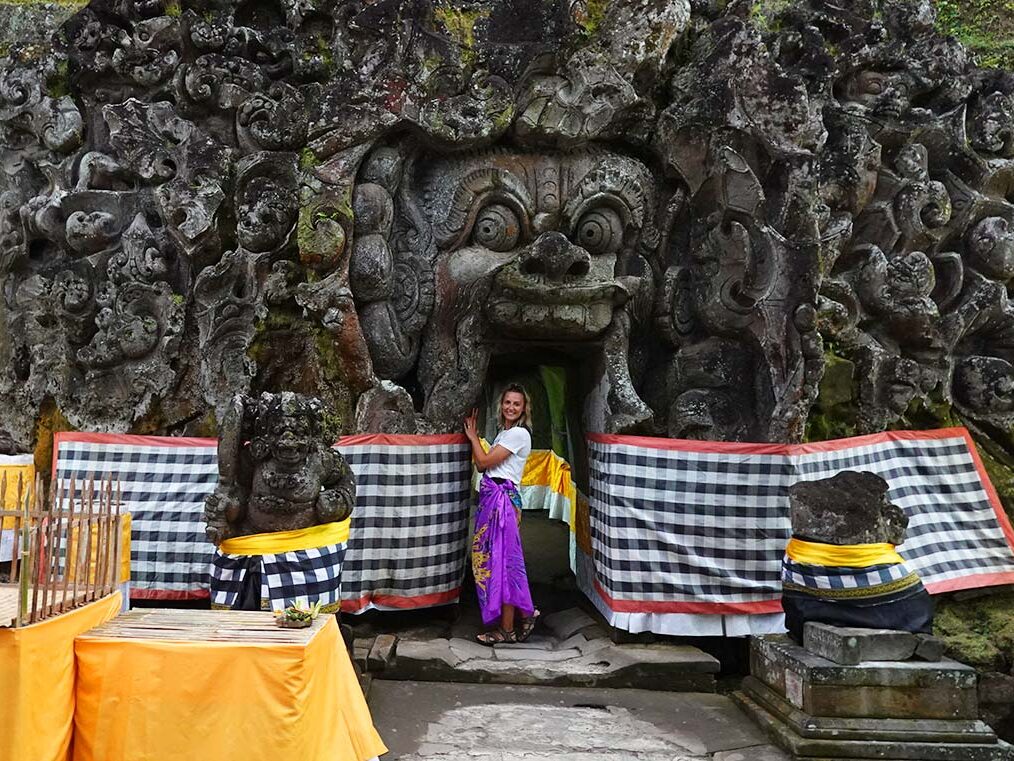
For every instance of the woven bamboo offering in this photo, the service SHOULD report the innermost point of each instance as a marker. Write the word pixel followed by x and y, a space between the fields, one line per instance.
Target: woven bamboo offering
pixel 66 550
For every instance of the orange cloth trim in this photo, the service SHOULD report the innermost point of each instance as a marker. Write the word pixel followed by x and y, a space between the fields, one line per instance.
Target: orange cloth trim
pixel 37 682
pixel 152 700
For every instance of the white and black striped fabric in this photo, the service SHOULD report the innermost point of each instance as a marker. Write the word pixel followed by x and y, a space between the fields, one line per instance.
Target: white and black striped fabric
pixel 681 527
pixel 409 535
pixel 299 577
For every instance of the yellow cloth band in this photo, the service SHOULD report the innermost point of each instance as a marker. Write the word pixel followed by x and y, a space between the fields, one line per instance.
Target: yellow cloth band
pixel 278 542
pixel 846 556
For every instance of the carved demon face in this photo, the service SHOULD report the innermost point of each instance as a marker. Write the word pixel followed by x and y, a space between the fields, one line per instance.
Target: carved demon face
pixel 286 428
pixel 557 228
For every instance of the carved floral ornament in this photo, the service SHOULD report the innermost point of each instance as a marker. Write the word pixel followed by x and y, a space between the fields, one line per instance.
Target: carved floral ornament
pixel 366 201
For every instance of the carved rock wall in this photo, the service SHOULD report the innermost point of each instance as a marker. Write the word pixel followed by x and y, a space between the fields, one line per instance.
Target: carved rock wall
pixel 751 226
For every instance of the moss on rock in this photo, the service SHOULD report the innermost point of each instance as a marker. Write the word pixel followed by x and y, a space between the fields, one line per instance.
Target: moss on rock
pixel 978 631
pixel 986 27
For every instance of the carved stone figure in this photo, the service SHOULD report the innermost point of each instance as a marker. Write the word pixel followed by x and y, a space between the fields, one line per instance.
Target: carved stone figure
pixel 840 566
pixel 277 469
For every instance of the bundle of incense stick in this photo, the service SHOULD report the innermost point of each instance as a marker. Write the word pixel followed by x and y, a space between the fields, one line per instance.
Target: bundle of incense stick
pixel 66 546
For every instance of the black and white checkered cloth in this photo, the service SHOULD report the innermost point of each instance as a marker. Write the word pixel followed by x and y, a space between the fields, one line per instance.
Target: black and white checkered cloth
pixel 674 528
pixel 409 536
pixel 299 577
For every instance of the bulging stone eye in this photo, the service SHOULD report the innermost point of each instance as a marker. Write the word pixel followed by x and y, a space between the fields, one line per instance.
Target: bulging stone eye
pixel 496 228
pixel 599 231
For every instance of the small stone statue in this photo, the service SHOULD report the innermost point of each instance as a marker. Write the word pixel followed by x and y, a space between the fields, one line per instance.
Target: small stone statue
pixel 277 469
pixel 841 568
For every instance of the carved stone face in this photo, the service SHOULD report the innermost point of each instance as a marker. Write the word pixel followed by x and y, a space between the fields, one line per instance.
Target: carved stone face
pixel 286 429
pixel 991 248
pixel 88 232
pixel 887 94
pixel 556 226
pixel 266 214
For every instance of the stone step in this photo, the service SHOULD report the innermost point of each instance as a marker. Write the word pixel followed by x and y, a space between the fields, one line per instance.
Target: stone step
pixel 820 749
pixel 575 662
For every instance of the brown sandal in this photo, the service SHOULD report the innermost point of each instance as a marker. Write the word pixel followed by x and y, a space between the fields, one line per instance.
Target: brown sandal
pixel 497 636
pixel 527 626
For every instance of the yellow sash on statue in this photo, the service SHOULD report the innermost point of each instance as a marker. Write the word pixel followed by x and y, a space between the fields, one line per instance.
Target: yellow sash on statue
pixel 278 542
pixel 845 556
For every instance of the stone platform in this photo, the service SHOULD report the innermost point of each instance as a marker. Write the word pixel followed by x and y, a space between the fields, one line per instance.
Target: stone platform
pixel 819 710
pixel 569 649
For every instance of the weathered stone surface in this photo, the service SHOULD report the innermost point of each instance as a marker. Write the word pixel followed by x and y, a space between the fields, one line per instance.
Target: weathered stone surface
pixel 382 653
pixel 848 647
pixel 278 470
pixel 547 662
pixel 898 690
pixel 567 622
pixel 816 709
pixel 453 722
pixel 706 205
pixel 930 648
pixel 848 508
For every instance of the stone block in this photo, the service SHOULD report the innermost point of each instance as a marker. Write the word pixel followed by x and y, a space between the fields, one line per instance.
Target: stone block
pixel 818 710
pixel 896 690
pixel 850 646
pixel 382 653
pixel 839 749
pixel 930 648
pixel 565 623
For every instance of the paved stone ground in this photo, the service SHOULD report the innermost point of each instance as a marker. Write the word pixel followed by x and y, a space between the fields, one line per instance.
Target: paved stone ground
pixel 569 649
pixel 431 721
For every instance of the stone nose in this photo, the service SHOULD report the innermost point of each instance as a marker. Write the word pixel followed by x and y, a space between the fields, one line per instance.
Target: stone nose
pixel 555 257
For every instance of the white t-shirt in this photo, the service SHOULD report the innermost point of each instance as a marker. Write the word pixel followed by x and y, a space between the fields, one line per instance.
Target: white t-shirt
pixel 518 441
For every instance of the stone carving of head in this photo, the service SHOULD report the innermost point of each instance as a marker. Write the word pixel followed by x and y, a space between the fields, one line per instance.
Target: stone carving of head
pixel 991 248
pixel 266 204
pixel 849 508
pixel 554 225
pixel 286 427
pixel 882 93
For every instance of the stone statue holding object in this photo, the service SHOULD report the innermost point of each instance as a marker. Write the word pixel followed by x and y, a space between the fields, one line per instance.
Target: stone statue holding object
pixel 282 490
pixel 841 567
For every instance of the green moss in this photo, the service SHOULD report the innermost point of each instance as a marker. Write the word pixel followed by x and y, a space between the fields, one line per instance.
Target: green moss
pixel 765 13
pixel 50 421
pixel 460 25
pixel 173 10
pixel 58 83
pixel 308 159
pixel 591 19
pixel 834 415
pixel 986 27
pixel 978 631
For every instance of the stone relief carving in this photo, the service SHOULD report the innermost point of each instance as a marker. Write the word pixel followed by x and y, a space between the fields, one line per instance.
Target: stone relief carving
pixel 277 469
pixel 367 200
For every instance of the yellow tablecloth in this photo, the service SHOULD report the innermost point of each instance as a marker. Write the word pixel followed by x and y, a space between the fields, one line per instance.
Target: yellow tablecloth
pixel 158 700
pixel 37 682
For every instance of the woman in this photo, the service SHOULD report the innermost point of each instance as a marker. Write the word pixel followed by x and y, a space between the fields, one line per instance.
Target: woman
pixel 498 562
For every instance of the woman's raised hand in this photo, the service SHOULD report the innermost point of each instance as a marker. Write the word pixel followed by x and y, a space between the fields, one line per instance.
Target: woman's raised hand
pixel 471 425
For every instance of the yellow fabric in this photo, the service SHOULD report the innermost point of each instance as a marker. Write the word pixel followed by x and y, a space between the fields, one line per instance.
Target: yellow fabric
pixel 37 682
pixel 124 551
pixel 12 468
pixel 843 556
pixel 157 700
pixel 288 541
pixel 545 467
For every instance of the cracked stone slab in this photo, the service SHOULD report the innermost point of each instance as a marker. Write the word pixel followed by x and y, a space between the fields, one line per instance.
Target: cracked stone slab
pixel 600 664
pixel 461 722
pixel 567 622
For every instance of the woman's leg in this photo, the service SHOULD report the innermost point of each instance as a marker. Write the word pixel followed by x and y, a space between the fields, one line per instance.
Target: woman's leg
pixel 507 618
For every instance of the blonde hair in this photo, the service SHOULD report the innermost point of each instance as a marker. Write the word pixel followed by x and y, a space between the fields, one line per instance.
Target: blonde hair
pixel 526 416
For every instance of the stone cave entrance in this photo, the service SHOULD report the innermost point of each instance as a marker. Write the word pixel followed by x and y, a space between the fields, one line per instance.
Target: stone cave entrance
pixel 558 388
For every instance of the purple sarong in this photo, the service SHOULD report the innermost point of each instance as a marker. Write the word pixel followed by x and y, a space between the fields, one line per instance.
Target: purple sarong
pixel 498 562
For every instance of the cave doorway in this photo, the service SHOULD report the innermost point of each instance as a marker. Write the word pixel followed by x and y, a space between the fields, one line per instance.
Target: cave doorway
pixel 558 389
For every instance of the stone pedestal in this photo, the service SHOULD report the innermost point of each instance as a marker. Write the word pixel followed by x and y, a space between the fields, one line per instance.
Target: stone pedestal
pixel 819 710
